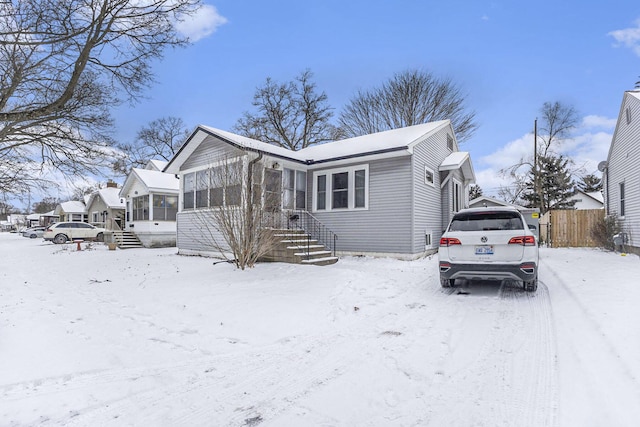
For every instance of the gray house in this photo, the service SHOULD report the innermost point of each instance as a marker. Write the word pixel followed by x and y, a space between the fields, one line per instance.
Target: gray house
pixel 621 173
pixel 385 194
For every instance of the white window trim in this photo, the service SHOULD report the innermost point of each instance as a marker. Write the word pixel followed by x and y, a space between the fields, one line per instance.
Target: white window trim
pixel 430 240
pixel 351 188
pixel 432 183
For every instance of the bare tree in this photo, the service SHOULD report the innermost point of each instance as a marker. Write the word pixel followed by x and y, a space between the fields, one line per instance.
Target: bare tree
pixel 160 139
pixel 409 98
pixel 557 122
pixel 63 65
pixel 290 115
pixel 231 210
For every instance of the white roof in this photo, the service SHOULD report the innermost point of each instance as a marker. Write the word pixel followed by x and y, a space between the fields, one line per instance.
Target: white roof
pixel 110 196
pixel 158 180
pixel 155 164
pixel 375 142
pixel 459 160
pixel 400 140
pixel 33 216
pixel 72 206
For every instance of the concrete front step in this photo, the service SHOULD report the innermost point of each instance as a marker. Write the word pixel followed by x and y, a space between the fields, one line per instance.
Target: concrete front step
pixel 320 261
pixel 127 240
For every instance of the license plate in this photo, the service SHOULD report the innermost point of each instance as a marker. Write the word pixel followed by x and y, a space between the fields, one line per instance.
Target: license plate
pixel 484 250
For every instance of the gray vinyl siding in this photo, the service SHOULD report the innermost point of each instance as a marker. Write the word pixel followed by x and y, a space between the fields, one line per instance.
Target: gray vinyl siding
pixel 195 232
pixel 624 158
pixel 427 201
pixel 386 226
pixel 210 150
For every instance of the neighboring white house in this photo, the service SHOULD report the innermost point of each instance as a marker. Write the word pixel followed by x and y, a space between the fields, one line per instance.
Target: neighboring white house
pixel 622 173
pixel 151 198
pixel 390 193
pixel 589 200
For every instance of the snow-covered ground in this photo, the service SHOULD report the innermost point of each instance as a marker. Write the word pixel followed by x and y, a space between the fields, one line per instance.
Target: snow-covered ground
pixel 146 337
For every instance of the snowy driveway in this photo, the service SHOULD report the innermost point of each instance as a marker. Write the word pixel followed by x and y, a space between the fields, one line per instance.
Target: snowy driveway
pixel 145 337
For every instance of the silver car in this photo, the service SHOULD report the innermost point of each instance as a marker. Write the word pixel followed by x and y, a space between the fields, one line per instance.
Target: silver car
pixel 33 232
pixel 489 244
pixel 61 232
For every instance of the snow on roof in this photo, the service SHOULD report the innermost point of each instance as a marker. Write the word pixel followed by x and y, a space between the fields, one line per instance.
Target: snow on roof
pixel 33 216
pixel 634 93
pixel 155 164
pixel 361 145
pixel 72 206
pixel 157 180
pixel 375 142
pixel 111 197
pixel 250 143
pixel 454 160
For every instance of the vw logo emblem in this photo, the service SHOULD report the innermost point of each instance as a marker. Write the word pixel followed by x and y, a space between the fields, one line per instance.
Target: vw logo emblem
pixel 484 239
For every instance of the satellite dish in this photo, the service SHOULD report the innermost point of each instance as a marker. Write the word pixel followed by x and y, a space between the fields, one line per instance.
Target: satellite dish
pixel 602 165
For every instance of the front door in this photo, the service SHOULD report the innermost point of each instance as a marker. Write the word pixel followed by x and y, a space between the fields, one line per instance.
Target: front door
pixel 272 190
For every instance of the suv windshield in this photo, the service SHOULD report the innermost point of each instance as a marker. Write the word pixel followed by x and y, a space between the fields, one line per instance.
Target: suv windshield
pixel 481 221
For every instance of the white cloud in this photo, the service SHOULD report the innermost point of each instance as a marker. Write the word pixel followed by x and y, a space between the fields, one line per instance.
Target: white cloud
pixel 629 37
pixel 484 18
pixel 598 122
pixel 204 22
pixel 586 149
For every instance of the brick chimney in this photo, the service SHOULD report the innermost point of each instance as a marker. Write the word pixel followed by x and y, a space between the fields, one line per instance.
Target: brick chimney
pixel 111 184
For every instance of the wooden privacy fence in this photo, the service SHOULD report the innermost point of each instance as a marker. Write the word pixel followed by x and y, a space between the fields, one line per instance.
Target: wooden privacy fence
pixel 572 228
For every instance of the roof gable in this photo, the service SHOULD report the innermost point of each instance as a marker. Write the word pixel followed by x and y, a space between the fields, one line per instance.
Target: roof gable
pixel 152 180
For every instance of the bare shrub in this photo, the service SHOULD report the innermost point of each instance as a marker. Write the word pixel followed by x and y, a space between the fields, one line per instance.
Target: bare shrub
pixel 604 230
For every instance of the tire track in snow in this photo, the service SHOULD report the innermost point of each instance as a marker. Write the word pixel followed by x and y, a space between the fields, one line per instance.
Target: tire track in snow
pixel 587 367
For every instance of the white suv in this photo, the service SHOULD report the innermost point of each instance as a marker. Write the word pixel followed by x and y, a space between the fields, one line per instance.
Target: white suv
pixel 60 232
pixel 489 244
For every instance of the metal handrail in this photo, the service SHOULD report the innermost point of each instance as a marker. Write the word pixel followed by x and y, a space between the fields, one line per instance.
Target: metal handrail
pixel 303 220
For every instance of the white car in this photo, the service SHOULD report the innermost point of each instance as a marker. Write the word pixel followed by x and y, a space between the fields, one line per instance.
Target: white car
pixel 489 244
pixel 61 232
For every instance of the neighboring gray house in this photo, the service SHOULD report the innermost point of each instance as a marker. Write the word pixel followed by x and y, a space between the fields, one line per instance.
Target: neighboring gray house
pixel 105 208
pixel 151 199
pixel 621 172
pixel 390 193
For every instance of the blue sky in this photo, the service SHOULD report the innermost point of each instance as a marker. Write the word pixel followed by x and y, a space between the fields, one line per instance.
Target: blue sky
pixel 509 57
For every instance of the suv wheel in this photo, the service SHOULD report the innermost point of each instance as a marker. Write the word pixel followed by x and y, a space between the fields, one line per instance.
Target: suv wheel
pixel 60 238
pixel 100 237
pixel 446 283
pixel 531 285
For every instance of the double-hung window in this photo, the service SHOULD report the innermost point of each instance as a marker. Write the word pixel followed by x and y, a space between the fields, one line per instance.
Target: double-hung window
pixel 622 199
pixel 341 189
pixel 294 189
pixel 188 190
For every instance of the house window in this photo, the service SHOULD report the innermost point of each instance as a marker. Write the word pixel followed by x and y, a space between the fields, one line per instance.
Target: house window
pixel 202 189
pixel 427 241
pixel 95 217
pixel 429 176
pixel 321 192
pixel 360 188
pixel 294 189
pixel 189 187
pixel 622 199
pixel 141 208
pixel 164 207
pixel 628 113
pixel 449 142
pixel 457 195
pixel 340 189
pixel 301 190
